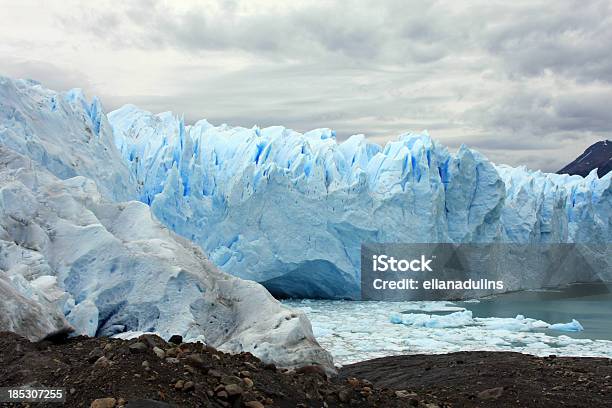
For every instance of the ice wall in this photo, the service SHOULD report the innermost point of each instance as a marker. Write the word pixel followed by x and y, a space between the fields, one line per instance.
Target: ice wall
pixel 64 133
pixel 290 210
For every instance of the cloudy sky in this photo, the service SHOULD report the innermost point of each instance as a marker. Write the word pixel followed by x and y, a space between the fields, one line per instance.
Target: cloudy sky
pixel 525 82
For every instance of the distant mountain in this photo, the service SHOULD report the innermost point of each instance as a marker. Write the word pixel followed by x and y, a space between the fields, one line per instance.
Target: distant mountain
pixel 598 155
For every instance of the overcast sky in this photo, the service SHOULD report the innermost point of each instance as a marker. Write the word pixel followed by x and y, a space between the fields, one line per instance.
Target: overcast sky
pixel 525 82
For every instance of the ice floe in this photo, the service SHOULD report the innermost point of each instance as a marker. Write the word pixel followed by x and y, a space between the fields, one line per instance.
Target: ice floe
pixel 357 331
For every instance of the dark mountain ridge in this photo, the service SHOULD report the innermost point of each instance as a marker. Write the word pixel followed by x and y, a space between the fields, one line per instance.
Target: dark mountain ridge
pixel 598 155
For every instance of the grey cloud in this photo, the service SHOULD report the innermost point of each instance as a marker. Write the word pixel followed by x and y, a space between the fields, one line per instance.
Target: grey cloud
pixel 356 30
pixel 537 111
pixel 573 38
pixel 50 75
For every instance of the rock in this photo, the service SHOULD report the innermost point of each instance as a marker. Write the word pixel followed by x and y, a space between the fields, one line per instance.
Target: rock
pixel 196 360
pixel 159 352
pixel 233 390
pixel 344 395
pixel 405 394
pixel 222 394
pixel 172 360
pixel 104 403
pixel 95 355
pixel 121 402
pixel 254 404
pixel 491 393
pixel 230 379
pixel 102 363
pixel 311 369
pixel 145 364
pixel 248 383
pixel 353 382
pixel 138 347
pixel 245 374
pixel 145 403
pixel 179 385
pixel 215 373
pixel 152 340
pixel 270 367
pixel 176 339
pixel 189 386
pixel 172 352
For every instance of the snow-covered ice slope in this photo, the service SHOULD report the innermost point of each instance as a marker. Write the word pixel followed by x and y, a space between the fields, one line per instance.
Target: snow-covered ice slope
pixel 290 210
pixel 64 133
pixel 111 268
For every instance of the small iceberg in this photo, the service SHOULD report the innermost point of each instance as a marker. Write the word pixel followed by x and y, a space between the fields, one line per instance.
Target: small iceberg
pixel 573 326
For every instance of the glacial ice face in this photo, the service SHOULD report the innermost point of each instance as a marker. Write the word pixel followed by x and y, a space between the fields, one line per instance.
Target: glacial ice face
pixel 64 133
pixel 290 210
pixel 112 268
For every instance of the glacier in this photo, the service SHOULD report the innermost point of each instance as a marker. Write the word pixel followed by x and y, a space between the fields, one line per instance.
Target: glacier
pixel 290 210
pixel 64 133
pixel 77 256
pixel 111 268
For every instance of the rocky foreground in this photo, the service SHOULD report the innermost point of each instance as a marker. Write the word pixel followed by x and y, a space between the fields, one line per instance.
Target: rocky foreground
pixel 149 372
pixel 494 379
pixel 106 373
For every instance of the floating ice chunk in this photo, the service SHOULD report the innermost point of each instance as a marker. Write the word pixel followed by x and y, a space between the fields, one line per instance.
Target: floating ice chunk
pixel 386 338
pixel 437 306
pixel 573 326
pixel 519 324
pixel 456 319
pixel 396 318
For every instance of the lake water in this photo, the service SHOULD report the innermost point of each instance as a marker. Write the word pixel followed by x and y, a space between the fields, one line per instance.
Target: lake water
pixel 355 331
pixel 590 304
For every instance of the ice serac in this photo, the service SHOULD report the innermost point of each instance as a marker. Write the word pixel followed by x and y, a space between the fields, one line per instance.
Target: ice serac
pixel 290 210
pixel 111 268
pixel 64 133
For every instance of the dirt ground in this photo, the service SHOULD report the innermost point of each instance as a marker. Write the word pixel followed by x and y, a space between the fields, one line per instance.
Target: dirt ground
pixel 494 379
pixel 149 372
